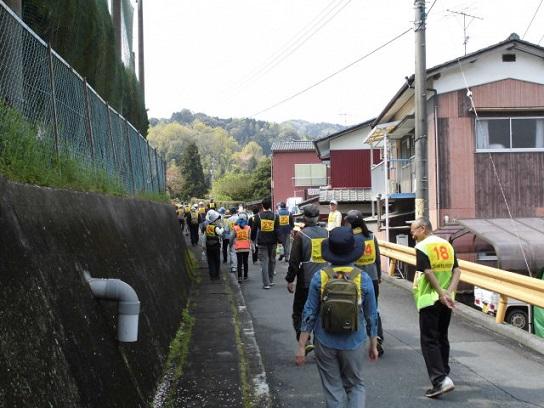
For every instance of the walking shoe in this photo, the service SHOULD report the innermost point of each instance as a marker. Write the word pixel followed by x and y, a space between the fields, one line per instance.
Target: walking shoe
pixel 272 283
pixel 246 278
pixel 308 349
pixel 239 280
pixel 380 347
pixel 266 287
pixel 445 386
pixel 280 258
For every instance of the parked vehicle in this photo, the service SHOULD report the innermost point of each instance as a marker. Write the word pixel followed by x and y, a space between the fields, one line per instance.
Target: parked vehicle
pixel 517 314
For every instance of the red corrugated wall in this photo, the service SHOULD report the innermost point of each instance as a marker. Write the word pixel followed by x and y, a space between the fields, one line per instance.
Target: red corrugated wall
pixel 283 171
pixel 351 168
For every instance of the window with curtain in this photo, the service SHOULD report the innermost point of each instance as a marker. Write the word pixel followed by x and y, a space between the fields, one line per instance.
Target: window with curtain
pixel 509 133
pixel 310 175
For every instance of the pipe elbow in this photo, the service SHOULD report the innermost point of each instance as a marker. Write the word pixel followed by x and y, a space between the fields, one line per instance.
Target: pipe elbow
pixel 128 304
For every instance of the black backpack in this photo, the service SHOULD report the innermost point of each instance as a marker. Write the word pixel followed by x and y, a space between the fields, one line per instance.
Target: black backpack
pixel 340 302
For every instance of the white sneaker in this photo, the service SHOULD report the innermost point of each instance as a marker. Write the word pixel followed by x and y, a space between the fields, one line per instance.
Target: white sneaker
pixel 445 386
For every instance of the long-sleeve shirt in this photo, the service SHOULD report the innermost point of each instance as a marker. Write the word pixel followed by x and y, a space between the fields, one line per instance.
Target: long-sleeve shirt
pixel 311 320
pixel 294 269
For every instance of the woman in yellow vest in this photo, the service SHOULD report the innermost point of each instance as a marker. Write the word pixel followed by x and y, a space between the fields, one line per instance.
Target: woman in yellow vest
pixel 242 244
pixel 435 283
pixel 335 216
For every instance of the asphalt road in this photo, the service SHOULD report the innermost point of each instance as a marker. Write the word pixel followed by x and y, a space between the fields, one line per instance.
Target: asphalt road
pixel 488 370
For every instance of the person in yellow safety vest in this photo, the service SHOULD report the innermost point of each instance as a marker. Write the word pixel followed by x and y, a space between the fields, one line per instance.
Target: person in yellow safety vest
pixel 335 216
pixel 369 262
pixel 180 215
pixel 193 221
pixel 211 204
pixel 201 209
pixel 212 230
pixel 435 283
pixel 305 260
pixel 339 353
pixel 241 242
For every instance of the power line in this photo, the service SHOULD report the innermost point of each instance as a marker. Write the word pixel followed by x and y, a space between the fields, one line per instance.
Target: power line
pixel 304 41
pixel 335 73
pixel 341 69
pixel 532 19
pixel 295 42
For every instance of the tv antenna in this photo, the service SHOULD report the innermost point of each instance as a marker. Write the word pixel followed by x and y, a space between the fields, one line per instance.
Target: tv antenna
pixel 465 15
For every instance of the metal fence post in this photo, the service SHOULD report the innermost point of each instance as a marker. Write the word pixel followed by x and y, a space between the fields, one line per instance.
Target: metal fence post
pixel 142 162
pixel 54 101
pixel 157 170
pixel 88 122
pixel 129 157
pixel 115 166
pixel 150 168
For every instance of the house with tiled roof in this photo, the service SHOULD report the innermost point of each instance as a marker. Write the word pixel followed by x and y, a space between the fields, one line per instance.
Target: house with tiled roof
pixel 296 171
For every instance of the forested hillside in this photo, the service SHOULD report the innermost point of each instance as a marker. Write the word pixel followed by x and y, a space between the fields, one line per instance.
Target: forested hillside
pixel 233 153
pixel 263 133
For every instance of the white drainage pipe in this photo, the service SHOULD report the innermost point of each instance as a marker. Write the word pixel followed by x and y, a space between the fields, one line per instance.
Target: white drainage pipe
pixel 128 304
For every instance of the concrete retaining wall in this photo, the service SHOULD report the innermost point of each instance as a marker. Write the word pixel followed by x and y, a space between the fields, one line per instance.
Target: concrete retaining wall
pixel 57 342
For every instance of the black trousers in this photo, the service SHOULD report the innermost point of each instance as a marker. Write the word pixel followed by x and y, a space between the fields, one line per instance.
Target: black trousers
pixel 213 255
pixel 255 254
pixel 193 229
pixel 301 294
pixel 380 328
pixel 242 258
pixel 225 248
pixel 434 322
pixel 182 224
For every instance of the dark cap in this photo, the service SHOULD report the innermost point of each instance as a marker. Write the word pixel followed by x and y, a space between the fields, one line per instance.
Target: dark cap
pixel 341 248
pixel 311 211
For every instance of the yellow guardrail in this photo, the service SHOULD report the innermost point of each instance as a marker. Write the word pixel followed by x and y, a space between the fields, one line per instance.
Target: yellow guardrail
pixel 506 284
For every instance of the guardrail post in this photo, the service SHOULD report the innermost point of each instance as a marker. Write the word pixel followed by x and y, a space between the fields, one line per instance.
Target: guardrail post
pixel 501 310
pixel 392 266
pixel 116 165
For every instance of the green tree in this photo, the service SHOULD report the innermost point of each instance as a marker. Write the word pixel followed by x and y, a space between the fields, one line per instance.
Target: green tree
pixel 261 180
pixel 234 186
pixel 194 183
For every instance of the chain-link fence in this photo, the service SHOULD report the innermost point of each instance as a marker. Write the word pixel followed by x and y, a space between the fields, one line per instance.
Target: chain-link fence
pixel 37 82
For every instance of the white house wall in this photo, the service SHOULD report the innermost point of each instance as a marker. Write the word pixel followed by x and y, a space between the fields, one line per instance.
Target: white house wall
pixel 352 140
pixel 490 68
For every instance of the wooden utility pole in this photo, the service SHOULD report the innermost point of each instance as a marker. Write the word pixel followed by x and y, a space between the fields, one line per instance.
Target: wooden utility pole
pixel 141 75
pixel 422 193
pixel 16 6
pixel 116 17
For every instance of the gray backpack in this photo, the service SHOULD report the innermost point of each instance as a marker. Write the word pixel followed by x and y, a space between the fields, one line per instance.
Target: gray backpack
pixel 340 302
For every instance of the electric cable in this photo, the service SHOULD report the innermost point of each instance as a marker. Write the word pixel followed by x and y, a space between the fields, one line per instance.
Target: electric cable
pixel 532 19
pixel 334 73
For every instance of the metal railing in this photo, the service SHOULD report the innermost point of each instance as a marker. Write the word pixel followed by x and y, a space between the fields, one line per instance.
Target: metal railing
pixel 65 110
pixel 506 284
pixel 401 177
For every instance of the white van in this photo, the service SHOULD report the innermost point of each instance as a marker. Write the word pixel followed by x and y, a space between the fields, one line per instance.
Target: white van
pixel 517 313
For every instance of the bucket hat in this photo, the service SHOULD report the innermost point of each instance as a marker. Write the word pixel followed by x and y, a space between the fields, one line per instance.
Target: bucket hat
pixel 341 248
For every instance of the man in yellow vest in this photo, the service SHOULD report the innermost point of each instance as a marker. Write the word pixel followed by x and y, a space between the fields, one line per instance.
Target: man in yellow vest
pixel 435 283
pixel 335 216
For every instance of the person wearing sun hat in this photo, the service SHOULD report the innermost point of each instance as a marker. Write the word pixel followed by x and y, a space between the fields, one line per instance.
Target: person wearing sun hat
pixel 335 217
pixel 339 355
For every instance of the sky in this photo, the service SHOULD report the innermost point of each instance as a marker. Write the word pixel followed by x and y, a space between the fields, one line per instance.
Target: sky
pixel 239 58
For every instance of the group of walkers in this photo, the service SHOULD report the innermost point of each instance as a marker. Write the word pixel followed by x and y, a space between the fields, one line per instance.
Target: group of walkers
pixel 335 273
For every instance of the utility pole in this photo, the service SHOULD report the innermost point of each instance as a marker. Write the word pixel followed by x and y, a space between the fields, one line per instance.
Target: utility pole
pixel 422 201
pixel 116 17
pixel 465 27
pixel 16 6
pixel 141 75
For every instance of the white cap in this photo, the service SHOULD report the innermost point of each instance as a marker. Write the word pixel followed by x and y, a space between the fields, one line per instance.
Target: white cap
pixel 333 202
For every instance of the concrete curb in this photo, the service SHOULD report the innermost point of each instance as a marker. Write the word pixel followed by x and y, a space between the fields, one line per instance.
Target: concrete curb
pixel 256 371
pixel 520 336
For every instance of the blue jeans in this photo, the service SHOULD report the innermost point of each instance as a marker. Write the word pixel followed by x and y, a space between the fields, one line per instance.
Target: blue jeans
pixel 341 373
